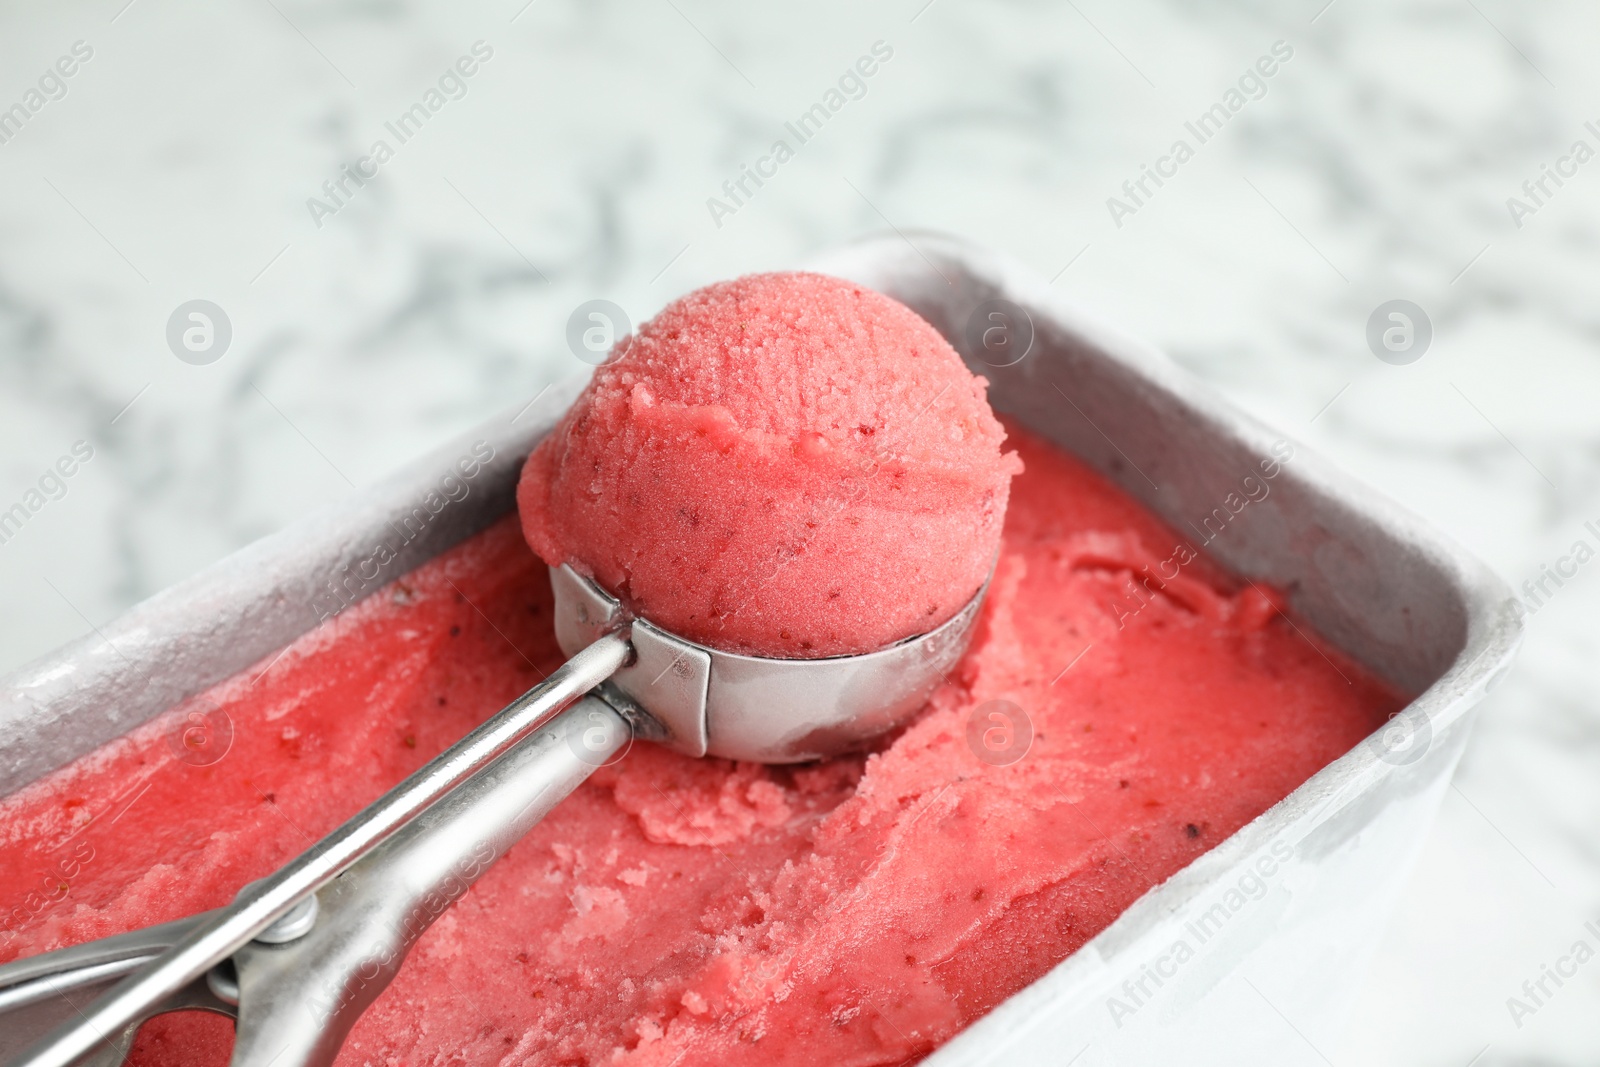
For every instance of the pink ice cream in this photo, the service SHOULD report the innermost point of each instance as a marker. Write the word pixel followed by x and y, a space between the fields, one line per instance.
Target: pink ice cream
pixel 783 465
pixel 678 912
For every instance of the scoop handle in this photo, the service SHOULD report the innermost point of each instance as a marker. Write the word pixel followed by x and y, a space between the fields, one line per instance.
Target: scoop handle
pixel 262 904
pixel 297 1001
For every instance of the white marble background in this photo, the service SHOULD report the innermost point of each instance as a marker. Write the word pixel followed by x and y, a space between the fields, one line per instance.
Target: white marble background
pixel 577 166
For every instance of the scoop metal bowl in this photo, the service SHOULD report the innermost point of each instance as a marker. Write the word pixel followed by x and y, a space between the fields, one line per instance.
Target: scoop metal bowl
pixel 702 701
pixel 282 947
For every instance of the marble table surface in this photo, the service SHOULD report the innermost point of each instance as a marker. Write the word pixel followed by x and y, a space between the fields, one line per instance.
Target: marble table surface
pixel 1399 150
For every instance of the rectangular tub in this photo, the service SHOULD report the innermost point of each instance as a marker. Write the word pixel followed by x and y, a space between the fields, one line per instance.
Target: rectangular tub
pixel 1250 954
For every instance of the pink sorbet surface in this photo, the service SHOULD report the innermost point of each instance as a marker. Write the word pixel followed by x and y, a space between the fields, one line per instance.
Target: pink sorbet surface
pixel 782 465
pixel 678 912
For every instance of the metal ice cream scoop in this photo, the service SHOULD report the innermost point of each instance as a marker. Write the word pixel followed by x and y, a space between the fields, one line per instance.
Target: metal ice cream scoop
pixel 298 956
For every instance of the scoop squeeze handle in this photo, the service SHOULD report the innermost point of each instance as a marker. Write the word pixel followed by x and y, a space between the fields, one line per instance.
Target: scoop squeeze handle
pixel 262 904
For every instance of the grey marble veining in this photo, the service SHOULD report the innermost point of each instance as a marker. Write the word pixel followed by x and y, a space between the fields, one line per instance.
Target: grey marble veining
pixel 578 164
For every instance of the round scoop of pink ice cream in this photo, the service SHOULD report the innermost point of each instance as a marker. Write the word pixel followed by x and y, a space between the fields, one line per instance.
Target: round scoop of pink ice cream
pixel 786 465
